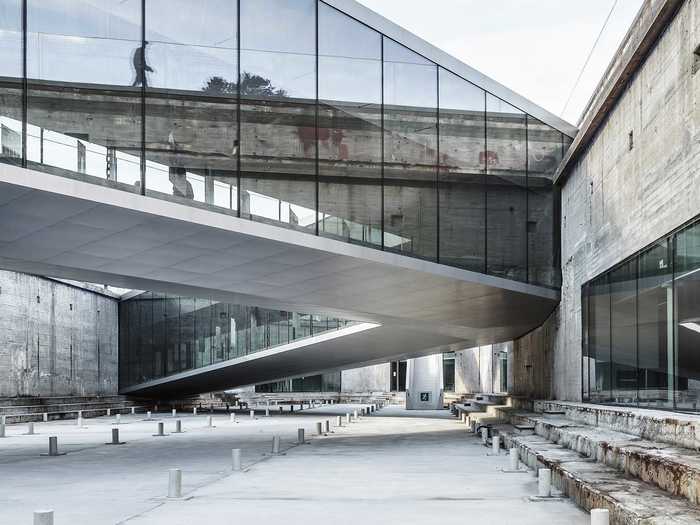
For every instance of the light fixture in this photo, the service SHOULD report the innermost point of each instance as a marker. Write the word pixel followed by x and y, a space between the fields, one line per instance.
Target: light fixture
pixel 691 325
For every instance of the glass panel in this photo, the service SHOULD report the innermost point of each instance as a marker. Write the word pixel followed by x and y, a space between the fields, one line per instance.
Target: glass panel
pixel 191 75
pixel 278 112
pixel 172 313
pixel 599 339
pixel 84 101
pixel 203 308
pixel 506 201
pixel 11 87
pixel 187 333
pixel 543 157
pixel 623 320
pixel 410 152
pixel 349 135
pixel 655 303
pixel 687 299
pixel 586 362
pixel 461 180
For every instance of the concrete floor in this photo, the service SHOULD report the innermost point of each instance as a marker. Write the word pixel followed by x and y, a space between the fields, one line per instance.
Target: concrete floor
pixel 394 467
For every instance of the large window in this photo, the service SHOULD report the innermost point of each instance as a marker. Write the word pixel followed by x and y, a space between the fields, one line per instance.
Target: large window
pixel 641 325
pixel 288 112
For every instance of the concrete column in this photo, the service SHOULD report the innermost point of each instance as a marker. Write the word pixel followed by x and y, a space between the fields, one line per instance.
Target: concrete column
pixel 600 517
pixel 544 483
pixel 43 517
pixel 175 483
pixel 236 459
pixel 300 436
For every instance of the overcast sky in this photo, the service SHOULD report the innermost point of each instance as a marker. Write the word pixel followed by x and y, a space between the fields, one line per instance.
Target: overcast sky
pixel 535 47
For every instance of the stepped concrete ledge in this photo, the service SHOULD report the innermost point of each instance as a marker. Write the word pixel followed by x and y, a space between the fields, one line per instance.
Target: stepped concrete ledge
pixel 594 485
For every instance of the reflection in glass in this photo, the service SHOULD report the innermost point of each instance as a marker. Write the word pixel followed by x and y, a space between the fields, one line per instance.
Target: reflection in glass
pixel 84 111
pixel 410 152
pixel 278 112
pixel 11 79
pixel 623 332
pixel 462 169
pixel 191 75
pixel 506 199
pixel 349 134
pixel 599 339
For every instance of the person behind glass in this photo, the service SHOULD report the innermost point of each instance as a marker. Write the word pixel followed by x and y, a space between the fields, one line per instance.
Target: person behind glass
pixel 181 186
pixel 140 66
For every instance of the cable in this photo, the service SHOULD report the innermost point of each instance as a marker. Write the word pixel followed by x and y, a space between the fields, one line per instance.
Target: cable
pixel 588 58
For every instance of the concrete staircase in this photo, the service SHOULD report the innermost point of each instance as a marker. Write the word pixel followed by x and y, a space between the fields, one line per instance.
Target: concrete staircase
pixel 24 409
pixel 641 465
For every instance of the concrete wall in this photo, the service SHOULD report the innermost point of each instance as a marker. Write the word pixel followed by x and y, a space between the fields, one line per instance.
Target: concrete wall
pixel 617 200
pixel 477 369
pixel 375 378
pixel 55 339
pixel 532 361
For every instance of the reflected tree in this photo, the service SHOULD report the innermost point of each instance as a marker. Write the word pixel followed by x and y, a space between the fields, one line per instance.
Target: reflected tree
pixel 251 85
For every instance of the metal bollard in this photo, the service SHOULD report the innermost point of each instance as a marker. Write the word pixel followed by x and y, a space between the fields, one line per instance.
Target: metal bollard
pixel 484 435
pixel 600 517
pixel 300 436
pixel 210 424
pixel 338 421
pixel 514 459
pixel 275 444
pixel 43 517
pixel 544 483
pixel 326 426
pixel 496 445
pixel 252 414
pixel 236 459
pixel 319 429
pixel 178 426
pixel 30 429
pixel 175 483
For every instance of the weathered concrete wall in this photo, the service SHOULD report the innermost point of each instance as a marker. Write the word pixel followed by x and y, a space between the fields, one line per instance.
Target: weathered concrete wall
pixel 375 378
pixel 532 361
pixel 55 339
pixel 478 369
pixel 617 199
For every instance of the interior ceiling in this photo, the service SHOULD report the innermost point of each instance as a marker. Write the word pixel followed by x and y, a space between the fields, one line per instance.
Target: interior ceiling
pixel 76 230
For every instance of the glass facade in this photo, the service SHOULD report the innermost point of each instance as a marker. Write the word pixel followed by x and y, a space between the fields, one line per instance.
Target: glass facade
pixel 283 111
pixel 161 335
pixel 330 382
pixel 641 327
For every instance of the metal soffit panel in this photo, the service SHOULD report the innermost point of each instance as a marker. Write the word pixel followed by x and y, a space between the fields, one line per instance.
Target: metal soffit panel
pixel 76 230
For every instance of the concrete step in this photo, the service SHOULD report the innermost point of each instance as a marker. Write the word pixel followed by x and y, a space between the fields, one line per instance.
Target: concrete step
pixel 63 407
pixel 29 401
pixel 594 485
pixel 673 469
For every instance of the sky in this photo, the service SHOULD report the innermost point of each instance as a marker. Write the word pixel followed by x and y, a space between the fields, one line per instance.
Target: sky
pixel 535 47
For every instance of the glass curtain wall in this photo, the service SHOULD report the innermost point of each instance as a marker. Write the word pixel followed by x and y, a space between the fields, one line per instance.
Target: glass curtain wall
pixel 641 325
pixel 162 334
pixel 283 111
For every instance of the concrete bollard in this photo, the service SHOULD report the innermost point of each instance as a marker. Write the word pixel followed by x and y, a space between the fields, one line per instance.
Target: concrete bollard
pixel 175 483
pixel 174 412
pixel 347 418
pixel 53 446
pixel 275 444
pixel 291 408
pixel 267 412
pixel 30 429
pixel 600 517
pixel 338 421
pixel 178 426
pixel 326 426
pixel 43 517
pixel 119 418
pixel 544 483
pixel 496 445
pixel 252 414
pixel 280 409
pixel 232 418
pixel 236 459
pixel 148 415
pixel 300 436
pixel 194 411
pixel 354 415
pixel 2 429
pixel 514 459
pixel 79 422
pixel 115 438
pixel 109 411
pixel 210 423
pixel 484 435
pixel 45 417
pixel 161 432
pixel 133 411
pixel 319 429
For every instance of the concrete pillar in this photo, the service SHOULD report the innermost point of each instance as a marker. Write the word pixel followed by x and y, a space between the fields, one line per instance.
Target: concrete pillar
pixel 496 445
pixel 43 517
pixel 319 429
pixel 514 459
pixel 338 421
pixel 175 483
pixel 236 459
pixel 275 444
pixel 544 483
pixel 300 436
pixel 600 517
pixel 53 446
pixel 178 426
